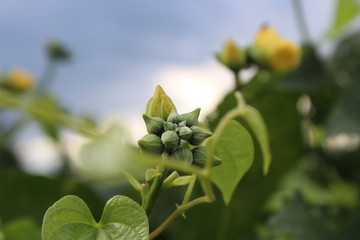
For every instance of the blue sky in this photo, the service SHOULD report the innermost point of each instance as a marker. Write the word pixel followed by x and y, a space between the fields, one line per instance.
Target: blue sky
pixel 123 48
pixel 125 43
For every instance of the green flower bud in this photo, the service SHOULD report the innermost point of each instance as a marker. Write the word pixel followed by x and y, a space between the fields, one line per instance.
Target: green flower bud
pixel 200 155
pixel 191 118
pixel 182 124
pixel 174 117
pixel 183 155
pixel 151 143
pixel 160 105
pixel 232 56
pixel 169 126
pixel 185 133
pixel 198 135
pixel 57 51
pixel 170 139
pixel 154 125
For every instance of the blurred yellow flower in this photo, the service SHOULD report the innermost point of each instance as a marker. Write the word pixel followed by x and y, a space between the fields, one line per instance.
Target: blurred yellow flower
pixel 20 80
pixel 266 40
pixel 271 49
pixel 232 56
pixel 285 56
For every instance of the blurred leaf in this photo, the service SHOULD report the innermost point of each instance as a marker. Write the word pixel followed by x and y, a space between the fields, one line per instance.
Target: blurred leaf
pixel 32 195
pixel 70 218
pixel 345 116
pixel 45 109
pixel 300 221
pixel 50 130
pixel 346 10
pixel 235 148
pixel 336 193
pixel 105 158
pixel 21 229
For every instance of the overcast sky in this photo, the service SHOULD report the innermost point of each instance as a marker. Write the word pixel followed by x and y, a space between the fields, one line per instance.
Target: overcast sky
pixel 123 48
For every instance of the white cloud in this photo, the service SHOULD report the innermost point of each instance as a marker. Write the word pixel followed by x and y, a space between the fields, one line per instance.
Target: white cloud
pixel 191 87
pixel 38 155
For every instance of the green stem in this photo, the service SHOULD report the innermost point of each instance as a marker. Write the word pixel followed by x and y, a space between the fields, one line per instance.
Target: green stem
pixel 150 198
pixel 238 83
pixel 189 190
pixel 300 20
pixel 48 76
pixel 180 210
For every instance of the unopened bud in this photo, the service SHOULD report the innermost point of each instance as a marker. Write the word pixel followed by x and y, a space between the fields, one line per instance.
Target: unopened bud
pixel 285 56
pixel 57 51
pixel 169 126
pixel 151 143
pixel 198 135
pixel 200 155
pixel 18 80
pixel 160 105
pixel 174 117
pixel 154 125
pixel 185 133
pixel 232 56
pixel 170 139
pixel 184 155
pixel 182 124
pixel 191 118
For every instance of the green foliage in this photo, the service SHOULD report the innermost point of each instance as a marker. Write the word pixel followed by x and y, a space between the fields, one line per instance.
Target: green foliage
pixel 346 10
pixel 299 220
pixel 70 218
pixel 21 229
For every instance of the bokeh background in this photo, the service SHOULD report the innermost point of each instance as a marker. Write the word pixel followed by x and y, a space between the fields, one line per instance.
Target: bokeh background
pixel 121 50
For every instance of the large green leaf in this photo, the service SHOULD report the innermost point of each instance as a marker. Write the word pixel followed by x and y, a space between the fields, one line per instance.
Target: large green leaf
pixel 70 218
pixel 236 148
pixel 346 11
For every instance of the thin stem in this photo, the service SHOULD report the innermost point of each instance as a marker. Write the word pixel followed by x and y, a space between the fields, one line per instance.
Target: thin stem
pixel 48 76
pixel 238 82
pixel 149 200
pixel 180 210
pixel 189 190
pixel 300 20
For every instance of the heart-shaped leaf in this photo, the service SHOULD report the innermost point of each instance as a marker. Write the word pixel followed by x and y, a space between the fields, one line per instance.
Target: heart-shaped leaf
pixel 235 148
pixel 70 218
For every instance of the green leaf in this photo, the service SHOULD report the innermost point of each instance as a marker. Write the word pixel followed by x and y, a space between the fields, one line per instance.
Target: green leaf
pixel 347 10
pixel 21 229
pixel 257 126
pixel 70 218
pixel 235 147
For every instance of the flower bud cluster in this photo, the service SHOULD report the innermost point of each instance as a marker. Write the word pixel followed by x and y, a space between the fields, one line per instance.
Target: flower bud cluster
pixel 269 50
pixel 174 134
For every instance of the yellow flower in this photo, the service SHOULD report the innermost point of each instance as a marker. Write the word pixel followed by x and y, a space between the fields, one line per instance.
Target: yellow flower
pixel 20 80
pixel 285 56
pixel 266 40
pixel 232 55
pixel 273 51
